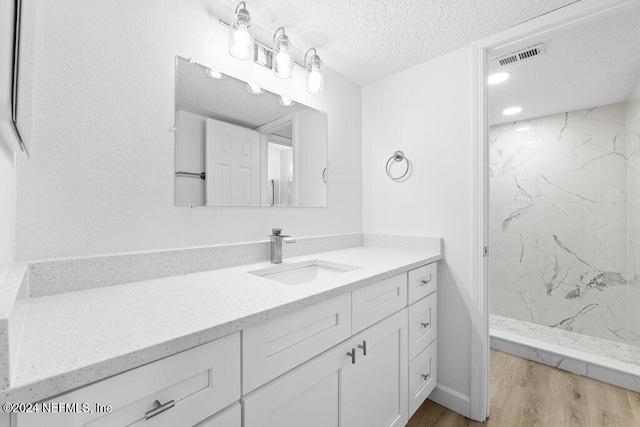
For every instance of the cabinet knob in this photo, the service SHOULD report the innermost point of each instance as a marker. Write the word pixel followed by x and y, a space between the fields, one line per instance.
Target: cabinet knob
pixel 426 280
pixel 352 355
pixel 363 346
pixel 159 408
pixel 426 325
pixel 426 377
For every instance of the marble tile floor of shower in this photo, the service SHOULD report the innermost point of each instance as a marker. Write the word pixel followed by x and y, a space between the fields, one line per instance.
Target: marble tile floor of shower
pixel 609 361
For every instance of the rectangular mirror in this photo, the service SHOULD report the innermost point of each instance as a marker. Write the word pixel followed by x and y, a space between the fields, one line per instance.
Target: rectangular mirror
pixel 238 148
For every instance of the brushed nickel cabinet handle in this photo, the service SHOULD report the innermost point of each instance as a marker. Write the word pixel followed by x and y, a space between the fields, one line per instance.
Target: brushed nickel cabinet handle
pixel 159 408
pixel 427 280
pixel 425 325
pixel 363 346
pixel 352 355
pixel 426 377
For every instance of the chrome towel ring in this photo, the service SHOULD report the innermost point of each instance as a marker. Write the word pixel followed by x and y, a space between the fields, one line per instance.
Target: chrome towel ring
pixel 398 156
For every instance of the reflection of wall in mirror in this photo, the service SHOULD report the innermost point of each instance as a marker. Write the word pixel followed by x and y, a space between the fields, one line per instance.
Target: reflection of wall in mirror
pixel 310 142
pixel 189 158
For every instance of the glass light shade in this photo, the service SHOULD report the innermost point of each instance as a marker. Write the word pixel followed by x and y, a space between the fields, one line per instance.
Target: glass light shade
pixel 315 74
pixel 282 56
pixel 241 34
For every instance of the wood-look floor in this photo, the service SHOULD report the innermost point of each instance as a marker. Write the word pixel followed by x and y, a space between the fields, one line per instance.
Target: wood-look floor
pixel 526 393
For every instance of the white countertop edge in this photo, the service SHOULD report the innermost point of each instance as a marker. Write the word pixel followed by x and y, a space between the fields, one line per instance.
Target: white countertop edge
pixel 45 388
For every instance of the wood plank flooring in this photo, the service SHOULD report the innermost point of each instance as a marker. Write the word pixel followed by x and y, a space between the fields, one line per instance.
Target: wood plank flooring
pixel 526 393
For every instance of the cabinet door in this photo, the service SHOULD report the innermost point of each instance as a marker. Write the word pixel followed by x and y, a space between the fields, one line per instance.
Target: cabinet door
pixel 308 396
pixel 375 388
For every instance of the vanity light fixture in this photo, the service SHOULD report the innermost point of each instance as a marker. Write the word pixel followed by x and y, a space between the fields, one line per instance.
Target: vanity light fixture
pixel 254 89
pixel 279 58
pixel 241 33
pixel 315 71
pixel 214 74
pixel 497 78
pixel 287 102
pixel 511 111
pixel 282 63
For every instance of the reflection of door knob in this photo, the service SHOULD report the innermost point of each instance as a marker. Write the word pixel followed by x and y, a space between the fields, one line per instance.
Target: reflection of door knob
pixel 324 175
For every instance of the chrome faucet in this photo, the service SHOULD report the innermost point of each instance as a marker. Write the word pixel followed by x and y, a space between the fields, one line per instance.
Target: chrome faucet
pixel 276 244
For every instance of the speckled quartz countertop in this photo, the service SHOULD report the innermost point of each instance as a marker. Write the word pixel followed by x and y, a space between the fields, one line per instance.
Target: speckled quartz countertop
pixel 77 338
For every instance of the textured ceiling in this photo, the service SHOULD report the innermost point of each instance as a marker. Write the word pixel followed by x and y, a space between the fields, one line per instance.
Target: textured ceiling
pixel 368 40
pixel 226 99
pixel 586 66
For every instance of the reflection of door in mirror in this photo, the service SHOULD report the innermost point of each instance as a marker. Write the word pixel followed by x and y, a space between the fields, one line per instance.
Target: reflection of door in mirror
pixel 232 160
pixel 280 174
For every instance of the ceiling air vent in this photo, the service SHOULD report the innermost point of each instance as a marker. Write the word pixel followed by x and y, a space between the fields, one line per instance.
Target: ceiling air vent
pixel 518 56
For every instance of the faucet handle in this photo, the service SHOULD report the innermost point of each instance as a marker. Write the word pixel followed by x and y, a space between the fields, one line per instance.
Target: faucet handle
pixel 276 231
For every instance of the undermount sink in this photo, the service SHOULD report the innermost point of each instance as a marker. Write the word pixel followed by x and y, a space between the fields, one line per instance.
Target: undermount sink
pixel 303 272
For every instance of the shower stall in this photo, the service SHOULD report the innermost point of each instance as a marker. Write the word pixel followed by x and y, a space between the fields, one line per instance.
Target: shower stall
pixel 564 210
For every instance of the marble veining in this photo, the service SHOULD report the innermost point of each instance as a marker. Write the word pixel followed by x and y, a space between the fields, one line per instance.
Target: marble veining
pixel 602 359
pixel 561 221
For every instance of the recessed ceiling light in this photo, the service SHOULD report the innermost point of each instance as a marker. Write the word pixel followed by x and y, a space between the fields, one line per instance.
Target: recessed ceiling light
pixel 214 74
pixel 254 89
pixel 533 142
pixel 523 128
pixel 511 111
pixel 287 102
pixel 496 78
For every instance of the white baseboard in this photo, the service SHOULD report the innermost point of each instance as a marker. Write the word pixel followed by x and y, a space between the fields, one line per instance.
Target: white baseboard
pixel 451 399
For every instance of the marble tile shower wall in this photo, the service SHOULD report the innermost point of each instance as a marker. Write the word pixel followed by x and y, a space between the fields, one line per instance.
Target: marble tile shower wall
pixel 559 223
pixel 633 195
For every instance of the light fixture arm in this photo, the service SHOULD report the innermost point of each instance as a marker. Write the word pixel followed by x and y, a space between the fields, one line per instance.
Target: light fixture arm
pixel 244 6
pixel 275 35
pixel 315 53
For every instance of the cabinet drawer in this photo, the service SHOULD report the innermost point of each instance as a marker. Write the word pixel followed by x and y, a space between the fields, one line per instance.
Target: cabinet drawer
pixel 375 302
pixel 422 377
pixel 230 417
pixel 422 324
pixel 279 345
pixel 200 382
pixel 422 282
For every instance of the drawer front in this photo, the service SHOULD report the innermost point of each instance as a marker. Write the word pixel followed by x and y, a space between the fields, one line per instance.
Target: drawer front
pixel 200 382
pixel 279 345
pixel 422 377
pixel 422 282
pixel 422 324
pixel 230 417
pixel 375 302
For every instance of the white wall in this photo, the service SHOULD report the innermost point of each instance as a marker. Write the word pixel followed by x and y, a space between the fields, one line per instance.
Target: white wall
pixel 101 175
pixel 426 112
pixel 7 209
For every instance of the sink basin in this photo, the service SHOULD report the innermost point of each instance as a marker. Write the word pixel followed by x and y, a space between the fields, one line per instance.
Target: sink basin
pixel 303 272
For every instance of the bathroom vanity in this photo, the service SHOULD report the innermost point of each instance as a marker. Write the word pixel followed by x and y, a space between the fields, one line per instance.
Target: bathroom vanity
pixel 346 338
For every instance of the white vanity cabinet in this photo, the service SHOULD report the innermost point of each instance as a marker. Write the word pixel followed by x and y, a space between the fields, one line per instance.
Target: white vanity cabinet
pixel 375 387
pixel 181 390
pixel 422 334
pixel 364 358
pixel 345 386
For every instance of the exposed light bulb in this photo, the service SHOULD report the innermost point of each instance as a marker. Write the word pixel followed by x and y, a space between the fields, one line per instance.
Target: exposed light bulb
pixel 315 80
pixel 497 78
pixel 283 59
pixel 511 111
pixel 241 36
